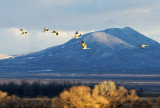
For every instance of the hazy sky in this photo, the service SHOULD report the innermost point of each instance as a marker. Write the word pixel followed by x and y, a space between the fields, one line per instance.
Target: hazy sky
pixel 68 16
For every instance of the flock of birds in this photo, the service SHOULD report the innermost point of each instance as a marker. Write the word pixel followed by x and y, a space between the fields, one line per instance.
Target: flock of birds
pixel 84 45
pixel 24 32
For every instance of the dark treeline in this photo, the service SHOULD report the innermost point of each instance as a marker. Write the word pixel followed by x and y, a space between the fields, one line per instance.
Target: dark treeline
pixel 38 89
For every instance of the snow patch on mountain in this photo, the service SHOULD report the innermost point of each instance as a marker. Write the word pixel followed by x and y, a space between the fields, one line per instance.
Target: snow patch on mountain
pixel 5 56
pixel 108 40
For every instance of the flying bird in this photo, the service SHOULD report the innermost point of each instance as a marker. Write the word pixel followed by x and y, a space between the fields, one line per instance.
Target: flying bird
pixel 23 32
pixel 54 31
pixel 45 30
pixel 76 35
pixel 84 45
pixel 143 45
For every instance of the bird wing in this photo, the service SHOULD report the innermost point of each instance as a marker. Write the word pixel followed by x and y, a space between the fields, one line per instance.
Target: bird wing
pixel 21 29
pixel 56 33
pixel 84 46
pixel 76 32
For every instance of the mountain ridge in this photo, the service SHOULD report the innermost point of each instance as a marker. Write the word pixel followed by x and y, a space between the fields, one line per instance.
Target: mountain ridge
pixel 114 49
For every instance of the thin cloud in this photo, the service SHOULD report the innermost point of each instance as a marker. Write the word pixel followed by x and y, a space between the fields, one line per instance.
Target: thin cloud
pixel 153 33
pixel 50 3
pixel 11 42
pixel 137 11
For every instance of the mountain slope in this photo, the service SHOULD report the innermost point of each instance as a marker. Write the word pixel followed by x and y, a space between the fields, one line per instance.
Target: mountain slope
pixel 4 56
pixel 112 50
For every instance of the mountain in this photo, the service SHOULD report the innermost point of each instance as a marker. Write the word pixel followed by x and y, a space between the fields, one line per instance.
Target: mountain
pixel 4 56
pixel 114 50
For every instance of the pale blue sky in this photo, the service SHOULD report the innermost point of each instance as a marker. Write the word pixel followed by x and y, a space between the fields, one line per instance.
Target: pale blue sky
pixel 69 16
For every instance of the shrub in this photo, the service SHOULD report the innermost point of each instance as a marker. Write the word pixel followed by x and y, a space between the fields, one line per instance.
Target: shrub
pixel 79 97
pixel 158 102
pixel 143 103
pixel 16 102
pixel 117 96
pixel 105 94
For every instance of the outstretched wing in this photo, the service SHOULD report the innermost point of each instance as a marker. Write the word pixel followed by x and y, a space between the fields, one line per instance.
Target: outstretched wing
pixel 84 45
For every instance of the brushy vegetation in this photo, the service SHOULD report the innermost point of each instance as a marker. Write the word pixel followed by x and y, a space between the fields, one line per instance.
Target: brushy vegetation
pixel 103 95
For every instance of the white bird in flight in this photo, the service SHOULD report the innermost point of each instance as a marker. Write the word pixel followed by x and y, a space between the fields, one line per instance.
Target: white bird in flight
pixel 84 45
pixel 143 45
pixel 54 31
pixel 23 32
pixel 76 35
pixel 45 30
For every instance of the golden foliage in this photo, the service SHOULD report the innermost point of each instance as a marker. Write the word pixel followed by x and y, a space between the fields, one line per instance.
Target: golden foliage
pixel 3 95
pixel 102 96
pixel 79 97
pixel 104 88
pixel 116 97
pixel 3 98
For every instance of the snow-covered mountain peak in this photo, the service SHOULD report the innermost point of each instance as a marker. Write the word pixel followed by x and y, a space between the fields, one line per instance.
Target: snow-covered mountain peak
pixel 106 40
pixel 111 49
pixel 131 36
